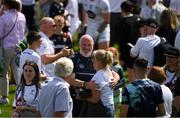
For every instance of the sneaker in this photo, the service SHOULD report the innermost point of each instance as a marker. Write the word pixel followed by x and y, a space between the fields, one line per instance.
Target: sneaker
pixel 4 101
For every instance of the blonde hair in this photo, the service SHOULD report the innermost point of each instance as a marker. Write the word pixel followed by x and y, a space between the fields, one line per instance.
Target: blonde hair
pixel 168 19
pixel 59 18
pixel 105 57
pixel 64 67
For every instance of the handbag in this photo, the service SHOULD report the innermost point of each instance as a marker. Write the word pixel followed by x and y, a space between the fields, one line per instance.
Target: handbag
pixel 25 112
pixel 1 47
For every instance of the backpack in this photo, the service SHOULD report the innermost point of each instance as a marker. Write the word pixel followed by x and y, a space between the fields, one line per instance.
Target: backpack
pixel 19 49
pixel 159 57
pixel 142 98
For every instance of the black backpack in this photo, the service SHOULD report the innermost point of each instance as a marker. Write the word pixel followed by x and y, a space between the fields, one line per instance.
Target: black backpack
pixel 159 57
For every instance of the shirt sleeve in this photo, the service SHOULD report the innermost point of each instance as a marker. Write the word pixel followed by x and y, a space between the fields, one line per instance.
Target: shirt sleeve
pixel 105 6
pixel 159 98
pixel 62 100
pixel 99 81
pixel 136 49
pixel 44 48
pixel 1 27
pixel 39 64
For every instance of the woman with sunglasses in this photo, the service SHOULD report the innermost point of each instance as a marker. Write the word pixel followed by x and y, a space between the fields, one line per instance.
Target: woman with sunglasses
pixel 26 95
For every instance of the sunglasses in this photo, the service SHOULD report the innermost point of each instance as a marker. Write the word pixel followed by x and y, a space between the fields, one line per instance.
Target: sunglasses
pixel 54 25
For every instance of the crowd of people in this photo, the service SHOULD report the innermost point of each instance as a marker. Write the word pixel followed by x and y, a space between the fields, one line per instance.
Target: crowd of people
pixel 114 37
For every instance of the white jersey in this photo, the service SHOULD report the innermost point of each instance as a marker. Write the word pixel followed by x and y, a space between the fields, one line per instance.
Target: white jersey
pixel 168 98
pixel 144 48
pixel 29 95
pixel 94 9
pixel 153 12
pixel 115 5
pixel 103 78
pixel 29 55
pixel 47 48
pixel 72 9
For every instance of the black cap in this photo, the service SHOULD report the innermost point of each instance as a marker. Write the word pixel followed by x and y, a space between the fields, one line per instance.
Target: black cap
pixel 172 51
pixel 151 23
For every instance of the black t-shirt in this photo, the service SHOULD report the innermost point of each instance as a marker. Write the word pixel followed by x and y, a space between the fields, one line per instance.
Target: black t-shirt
pixel 127 32
pixel 169 34
pixel 83 67
pixel 56 9
pixel 60 41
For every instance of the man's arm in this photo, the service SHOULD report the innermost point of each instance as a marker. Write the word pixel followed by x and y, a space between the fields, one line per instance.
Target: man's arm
pixel 59 114
pixel 47 59
pixel 78 83
pixel 176 102
pixel 95 96
pixel 115 79
pixel 106 20
pixel 38 114
pixel 160 111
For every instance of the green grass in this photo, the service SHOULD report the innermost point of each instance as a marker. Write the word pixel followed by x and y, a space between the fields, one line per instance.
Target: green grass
pixel 6 110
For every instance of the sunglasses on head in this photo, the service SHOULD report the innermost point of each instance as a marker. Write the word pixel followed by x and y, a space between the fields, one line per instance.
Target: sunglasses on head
pixel 29 62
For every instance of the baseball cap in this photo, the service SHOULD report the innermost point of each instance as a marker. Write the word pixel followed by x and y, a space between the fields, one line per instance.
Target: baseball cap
pixel 151 23
pixel 172 51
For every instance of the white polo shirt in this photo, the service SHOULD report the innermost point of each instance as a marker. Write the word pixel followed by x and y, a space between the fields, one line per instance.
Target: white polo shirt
pixel 46 48
pixel 144 48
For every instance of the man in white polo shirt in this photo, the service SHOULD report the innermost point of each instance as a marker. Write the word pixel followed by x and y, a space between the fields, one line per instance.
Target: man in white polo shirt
pixel 144 47
pixel 46 50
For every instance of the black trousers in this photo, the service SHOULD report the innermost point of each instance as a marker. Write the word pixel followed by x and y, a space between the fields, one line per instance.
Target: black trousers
pixel 29 13
pixel 113 24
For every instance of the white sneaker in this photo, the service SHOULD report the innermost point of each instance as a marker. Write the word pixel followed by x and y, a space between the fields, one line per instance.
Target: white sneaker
pixel 4 101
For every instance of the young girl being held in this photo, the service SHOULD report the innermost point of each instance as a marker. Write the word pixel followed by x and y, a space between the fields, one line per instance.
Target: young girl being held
pixel 101 102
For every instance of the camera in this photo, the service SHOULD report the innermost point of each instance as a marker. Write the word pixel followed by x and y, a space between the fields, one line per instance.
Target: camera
pixel 82 92
pixel 85 93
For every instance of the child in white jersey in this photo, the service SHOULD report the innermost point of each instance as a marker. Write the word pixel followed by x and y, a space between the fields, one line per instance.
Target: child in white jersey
pixel 101 102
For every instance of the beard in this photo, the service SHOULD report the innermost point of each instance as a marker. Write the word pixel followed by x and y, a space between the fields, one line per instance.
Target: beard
pixel 85 54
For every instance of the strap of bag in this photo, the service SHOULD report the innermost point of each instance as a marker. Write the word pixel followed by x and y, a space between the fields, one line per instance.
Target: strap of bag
pixel 11 28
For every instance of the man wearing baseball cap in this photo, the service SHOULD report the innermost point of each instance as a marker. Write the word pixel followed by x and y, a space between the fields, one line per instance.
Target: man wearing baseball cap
pixel 172 55
pixel 144 47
